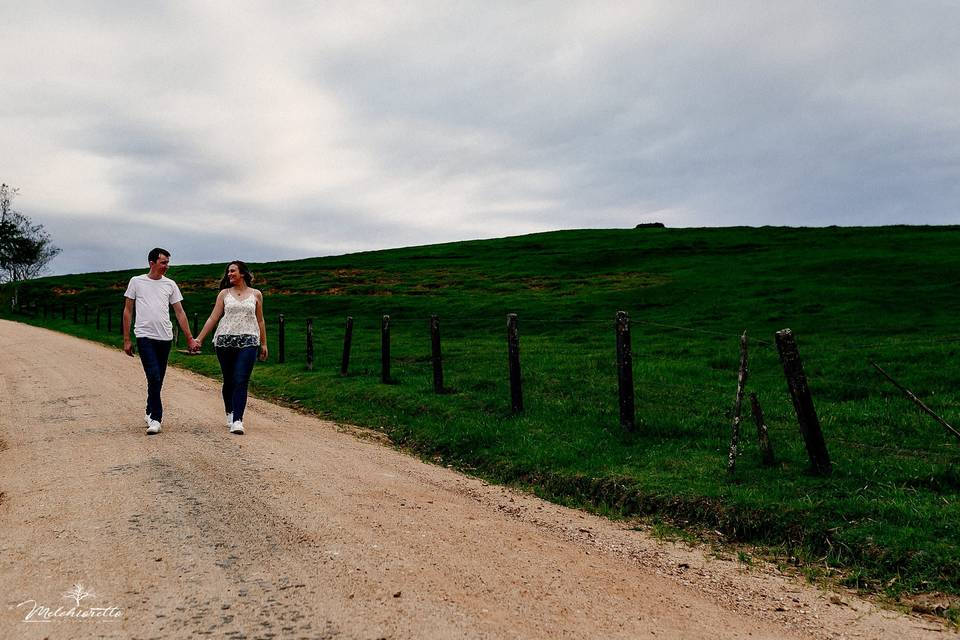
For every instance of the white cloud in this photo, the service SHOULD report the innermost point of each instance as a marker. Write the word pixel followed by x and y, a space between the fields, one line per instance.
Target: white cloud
pixel 299 129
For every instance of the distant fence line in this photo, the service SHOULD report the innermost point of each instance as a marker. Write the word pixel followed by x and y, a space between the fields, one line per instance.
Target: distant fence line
pixel 785 344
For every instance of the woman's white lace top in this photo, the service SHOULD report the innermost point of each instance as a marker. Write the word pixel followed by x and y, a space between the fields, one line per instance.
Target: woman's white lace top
pixel 238 327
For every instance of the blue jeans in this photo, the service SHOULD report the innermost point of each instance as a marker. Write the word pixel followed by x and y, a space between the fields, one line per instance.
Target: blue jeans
pixel 153 357
pixel 236 364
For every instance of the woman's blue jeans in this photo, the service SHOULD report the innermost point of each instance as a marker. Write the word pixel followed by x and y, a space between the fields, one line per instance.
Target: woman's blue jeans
pixel 236 364
pixel 153 357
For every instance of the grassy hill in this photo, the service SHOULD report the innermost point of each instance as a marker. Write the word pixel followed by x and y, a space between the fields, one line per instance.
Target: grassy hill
pixel 888 517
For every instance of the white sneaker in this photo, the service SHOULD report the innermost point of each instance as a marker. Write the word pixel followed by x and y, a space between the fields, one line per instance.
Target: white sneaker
pixel 154 428
pixel 237 428
pixel 230 419
pixel 146 418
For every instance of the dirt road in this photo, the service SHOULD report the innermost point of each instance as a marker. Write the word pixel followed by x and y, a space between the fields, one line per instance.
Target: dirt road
pixel 305 529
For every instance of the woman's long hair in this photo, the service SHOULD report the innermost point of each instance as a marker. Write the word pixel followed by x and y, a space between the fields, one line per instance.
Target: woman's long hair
pixel 244 271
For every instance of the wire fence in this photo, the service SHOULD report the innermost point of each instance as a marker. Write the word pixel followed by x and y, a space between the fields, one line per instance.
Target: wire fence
pixel 545 360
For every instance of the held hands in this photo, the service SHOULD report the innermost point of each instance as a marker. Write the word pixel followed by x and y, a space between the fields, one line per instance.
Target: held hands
pixel 195 346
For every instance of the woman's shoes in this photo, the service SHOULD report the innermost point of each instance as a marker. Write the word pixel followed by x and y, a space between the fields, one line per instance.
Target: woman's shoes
pixel 237 428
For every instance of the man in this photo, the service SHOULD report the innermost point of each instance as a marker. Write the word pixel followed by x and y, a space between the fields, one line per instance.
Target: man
pixel 153 294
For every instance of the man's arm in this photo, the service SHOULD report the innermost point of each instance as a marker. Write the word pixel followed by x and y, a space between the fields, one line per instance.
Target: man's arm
pixel 127 315
pixel 184 325
pixel 214 317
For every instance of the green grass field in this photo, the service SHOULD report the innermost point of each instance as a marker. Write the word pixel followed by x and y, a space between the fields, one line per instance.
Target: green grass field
pixel 888 518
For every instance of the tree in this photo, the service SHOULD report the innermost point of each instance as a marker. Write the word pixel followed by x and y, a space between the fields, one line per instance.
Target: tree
pixel 25 248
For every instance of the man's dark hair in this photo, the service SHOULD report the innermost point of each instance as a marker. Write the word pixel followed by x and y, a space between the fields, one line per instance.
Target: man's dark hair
pixel 155 254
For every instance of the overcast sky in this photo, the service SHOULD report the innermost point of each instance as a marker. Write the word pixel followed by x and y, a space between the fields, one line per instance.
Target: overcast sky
pixel 269 130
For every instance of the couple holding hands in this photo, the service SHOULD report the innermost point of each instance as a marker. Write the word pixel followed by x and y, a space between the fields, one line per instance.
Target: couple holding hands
pixel 239 339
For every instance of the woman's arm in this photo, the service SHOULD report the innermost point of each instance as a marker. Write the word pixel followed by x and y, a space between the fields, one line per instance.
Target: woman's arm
pixel 214 317
pixel 263 327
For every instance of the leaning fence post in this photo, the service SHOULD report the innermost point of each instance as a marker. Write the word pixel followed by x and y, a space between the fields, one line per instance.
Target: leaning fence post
pixel 803 403
pixel 347 339
pixel 310 344
pixel 763 436
pixel 916 400
pixel 513 354
pixel 737 404
pixel 628 418
pixel 435 354
pixel 281 357
pixel 385 350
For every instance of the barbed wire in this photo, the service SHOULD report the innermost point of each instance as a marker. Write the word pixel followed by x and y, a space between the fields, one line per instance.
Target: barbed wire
pixel 497 324
pixel 719 412
pixel 296 331
pixel 902 451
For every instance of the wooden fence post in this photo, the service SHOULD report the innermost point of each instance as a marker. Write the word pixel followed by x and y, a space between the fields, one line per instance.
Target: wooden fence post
pixel 513 355
pixel 763 437
pixel 347 339
pixel 435 354
pixel 737 405
pixel 803 403
pixel 98 317
pixel 281 337
pixel 196 323
pixel 75 309
pixel 63 310
pixel 310 344
pixel 86 314
pixel 109 320
pixel 628 417
pixel 385 350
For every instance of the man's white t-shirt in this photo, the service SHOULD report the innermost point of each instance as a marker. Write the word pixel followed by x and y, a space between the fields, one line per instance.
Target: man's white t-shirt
pixel 153 298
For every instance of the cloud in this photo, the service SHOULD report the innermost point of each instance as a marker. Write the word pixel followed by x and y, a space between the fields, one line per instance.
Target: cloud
pixel 299 129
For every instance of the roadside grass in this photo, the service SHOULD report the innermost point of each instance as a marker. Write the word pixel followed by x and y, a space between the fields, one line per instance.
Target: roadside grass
pixel 886 520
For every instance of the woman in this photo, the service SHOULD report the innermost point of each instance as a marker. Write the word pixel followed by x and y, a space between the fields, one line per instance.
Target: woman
pixel 240 336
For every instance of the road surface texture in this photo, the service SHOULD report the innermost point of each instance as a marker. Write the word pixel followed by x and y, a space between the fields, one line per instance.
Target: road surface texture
pixel 307 529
